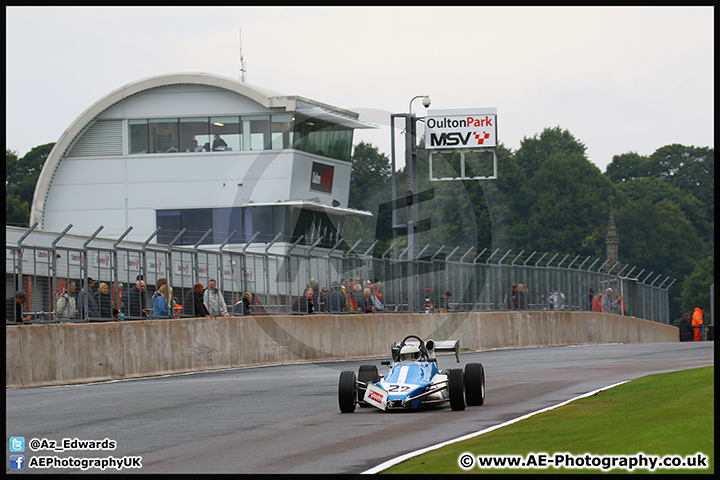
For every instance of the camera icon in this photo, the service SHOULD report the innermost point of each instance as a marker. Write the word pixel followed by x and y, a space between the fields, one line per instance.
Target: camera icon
pixel 17 444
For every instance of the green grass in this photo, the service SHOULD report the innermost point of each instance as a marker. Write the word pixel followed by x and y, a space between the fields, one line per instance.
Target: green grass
pixel 664 414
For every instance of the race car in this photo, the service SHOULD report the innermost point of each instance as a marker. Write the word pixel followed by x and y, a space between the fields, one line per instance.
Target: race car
pixel 414 380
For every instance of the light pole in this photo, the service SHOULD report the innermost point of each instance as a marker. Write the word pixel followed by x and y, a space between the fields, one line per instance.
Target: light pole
pixel 411 196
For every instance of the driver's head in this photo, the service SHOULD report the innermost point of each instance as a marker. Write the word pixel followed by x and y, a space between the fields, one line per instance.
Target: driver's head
pixel 409 352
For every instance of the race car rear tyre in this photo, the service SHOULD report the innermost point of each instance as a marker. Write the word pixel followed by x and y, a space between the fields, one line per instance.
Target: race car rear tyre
pixel 367 373
pixel 347 392
pixel 474 384
pixel 456 388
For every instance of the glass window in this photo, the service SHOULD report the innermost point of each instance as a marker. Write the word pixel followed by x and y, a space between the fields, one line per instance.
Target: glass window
pixel 195 134
pixel 170 223
pixel 256 132
pixel 138 136
pixel 163 135
pixel 197 221
pixel 258 219
pixel 225 220
pixel 282 131
pixel 322 138
pixel 225 133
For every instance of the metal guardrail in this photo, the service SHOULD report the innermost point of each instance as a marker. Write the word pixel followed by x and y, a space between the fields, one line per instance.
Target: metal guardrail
pixel 277 272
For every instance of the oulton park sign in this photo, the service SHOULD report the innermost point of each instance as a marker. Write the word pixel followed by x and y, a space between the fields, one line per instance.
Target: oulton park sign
pixel 466 129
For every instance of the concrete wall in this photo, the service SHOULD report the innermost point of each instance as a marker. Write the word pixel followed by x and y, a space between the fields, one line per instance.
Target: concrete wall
pixel 68 353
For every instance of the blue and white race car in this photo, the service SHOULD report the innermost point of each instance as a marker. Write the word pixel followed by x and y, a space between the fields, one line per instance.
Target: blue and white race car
pixel 414 380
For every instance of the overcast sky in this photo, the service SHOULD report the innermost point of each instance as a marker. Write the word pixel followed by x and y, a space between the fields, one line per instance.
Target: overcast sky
pixel 620 79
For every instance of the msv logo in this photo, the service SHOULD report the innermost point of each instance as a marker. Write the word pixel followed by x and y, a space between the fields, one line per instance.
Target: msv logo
pixel 456 138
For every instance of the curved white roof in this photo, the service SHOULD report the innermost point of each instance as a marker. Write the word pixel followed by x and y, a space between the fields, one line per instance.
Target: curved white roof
pixel 264 97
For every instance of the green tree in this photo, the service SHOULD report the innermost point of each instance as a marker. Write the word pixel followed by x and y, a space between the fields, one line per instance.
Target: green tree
pixel 628 166
pixel 21 175
pixel 568 203
pixel 371 172
pixel 696 286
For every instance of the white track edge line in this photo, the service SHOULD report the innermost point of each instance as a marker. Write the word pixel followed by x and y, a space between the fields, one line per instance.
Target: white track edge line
pixel 402 458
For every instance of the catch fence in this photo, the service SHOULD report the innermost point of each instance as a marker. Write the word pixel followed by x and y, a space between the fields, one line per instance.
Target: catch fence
pixel 277 272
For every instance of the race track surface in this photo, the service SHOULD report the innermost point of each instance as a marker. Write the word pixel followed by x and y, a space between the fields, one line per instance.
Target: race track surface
pixel 285 419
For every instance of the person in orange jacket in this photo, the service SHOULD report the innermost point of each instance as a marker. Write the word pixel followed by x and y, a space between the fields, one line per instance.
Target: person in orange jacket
pixel 697 322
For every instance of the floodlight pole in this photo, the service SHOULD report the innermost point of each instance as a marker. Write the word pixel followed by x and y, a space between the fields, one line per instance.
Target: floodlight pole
pixel 411 198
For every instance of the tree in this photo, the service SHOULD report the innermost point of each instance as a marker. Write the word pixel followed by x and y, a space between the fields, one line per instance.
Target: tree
pixel 371 171
pixel 696 286
pixel 567 204
pixel 21 175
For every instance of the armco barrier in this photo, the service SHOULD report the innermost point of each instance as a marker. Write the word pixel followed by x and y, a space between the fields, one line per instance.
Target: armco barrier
pixel 68 353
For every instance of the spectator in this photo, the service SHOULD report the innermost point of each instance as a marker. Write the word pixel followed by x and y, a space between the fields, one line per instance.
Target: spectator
pixel 163 302
pixel 246 299
pixel 104 301
pixel 337 299
pixel 513 297
pixel 20 302
pixel 219 144
pixel 523 294
pixel 304 303
pixel 444 303
pixel 588 299
pixel 214 301
pixel 358 296
pixel 621 307
pixel 378 293
pixel 137 300
pixel 194 302
pixel 92 306
pixel 607 304
pixel 368 304
pixel 67 303
pixel 323 301
pixel 597 303
pixel 557 298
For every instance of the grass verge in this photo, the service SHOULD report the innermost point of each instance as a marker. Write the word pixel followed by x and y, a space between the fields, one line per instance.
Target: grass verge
pixel 658 415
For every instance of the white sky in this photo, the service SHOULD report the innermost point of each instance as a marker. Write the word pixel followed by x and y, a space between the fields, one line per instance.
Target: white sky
pixel 620 79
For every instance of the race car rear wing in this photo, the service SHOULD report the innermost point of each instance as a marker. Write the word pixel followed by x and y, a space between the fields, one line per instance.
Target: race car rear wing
pixel 432 347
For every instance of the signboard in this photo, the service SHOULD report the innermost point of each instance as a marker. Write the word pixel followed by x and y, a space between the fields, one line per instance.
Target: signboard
pixel 322 177
pixel 466 128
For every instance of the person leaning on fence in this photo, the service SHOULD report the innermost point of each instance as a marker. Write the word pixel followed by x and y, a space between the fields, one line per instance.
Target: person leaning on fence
pixel 246 302
pixel 337 299
pixel 104 301
pixel 87 292
pixel 522 297
pixel 136 300
pixel 194 305
pixel 163 302
pixel 214 301
pixel 607 304
pixel 368 304
pixel 67 303
pixel 19 304
pixel 304 303
pixel 597 303
pixel 444 302
pixel 322 303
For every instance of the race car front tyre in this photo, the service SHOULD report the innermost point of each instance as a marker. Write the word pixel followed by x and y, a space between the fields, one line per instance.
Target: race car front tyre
pixel 347 392
pixel 474 384
pixel 367 373
pixel 456 388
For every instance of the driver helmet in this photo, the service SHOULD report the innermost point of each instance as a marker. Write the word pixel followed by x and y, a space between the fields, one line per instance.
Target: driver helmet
pixel 409 352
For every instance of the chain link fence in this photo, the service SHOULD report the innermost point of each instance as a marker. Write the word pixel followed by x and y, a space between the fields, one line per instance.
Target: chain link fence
pixel 276 274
